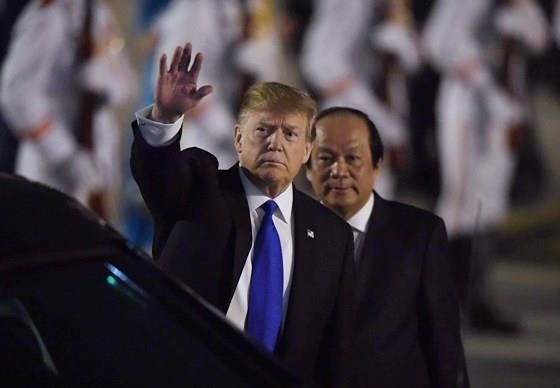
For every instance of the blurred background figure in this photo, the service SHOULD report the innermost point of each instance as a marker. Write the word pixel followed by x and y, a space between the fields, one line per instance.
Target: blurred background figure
pixel 397 58
pixel 64 72
pixel 521 35
pixel 9 143
pixel 294 17
pixel 479 116
pixel 259 55
pixel 337 62
pixel 556 27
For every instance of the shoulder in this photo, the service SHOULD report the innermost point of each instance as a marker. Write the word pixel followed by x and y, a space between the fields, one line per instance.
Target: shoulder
pixel 201 156
pixel 400 212
pixel 318 214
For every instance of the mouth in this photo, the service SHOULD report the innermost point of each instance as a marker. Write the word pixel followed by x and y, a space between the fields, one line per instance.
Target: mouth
pixel 271 162
pixel 338 188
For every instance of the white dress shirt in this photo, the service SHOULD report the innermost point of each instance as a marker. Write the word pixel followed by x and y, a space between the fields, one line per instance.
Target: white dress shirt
pixel 155 133
pixel 359 224
pixel 158 134
pixel 282 218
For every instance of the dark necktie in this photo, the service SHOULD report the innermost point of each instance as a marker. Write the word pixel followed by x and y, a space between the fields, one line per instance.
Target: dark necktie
pixel 264 315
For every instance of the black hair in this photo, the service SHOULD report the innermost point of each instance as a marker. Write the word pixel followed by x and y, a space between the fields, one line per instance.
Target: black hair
pixel 375 143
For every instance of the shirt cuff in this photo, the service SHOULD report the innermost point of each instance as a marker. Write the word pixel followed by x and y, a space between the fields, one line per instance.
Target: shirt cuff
pixel 155 133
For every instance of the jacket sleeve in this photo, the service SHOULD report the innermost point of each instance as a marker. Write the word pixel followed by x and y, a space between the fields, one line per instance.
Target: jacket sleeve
pixel 169 180
pixel 439 316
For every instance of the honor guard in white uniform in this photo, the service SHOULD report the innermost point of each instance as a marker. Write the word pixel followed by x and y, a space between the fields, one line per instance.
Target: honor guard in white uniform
pixel 474 111
pixel 337 61
pixel 522 33
pixel 396 38
pixel 475 115
pixel 212 26
pixel 260 52
pixel 42 86
pixel 398 56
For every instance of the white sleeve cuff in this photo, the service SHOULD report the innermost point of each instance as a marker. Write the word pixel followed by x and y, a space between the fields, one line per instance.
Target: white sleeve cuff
pixel 155 133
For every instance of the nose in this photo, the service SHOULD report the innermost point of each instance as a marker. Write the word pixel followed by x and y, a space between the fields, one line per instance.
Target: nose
pixel 275 140
pixel 339 168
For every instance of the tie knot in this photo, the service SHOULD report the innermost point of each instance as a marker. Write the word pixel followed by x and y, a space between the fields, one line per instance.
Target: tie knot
pixel 269 207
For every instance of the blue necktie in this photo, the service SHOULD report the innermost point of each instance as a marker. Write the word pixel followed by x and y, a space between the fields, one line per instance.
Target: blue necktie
pixel 264 315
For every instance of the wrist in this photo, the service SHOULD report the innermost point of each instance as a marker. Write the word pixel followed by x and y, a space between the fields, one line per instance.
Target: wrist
pixel 161 116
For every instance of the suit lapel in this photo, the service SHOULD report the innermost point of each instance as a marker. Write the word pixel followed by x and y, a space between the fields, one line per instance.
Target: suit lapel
pixel 302 271
pixel 374 244
pixel 237 202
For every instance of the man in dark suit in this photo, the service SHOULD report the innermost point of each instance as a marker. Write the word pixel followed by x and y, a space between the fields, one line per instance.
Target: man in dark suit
pixel 208 222
pixel 407 325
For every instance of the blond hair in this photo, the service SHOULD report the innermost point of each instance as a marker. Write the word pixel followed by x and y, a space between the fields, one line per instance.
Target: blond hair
pixel 277 97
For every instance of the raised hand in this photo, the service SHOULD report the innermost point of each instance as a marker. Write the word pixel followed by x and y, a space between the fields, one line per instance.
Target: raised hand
pixel 176 89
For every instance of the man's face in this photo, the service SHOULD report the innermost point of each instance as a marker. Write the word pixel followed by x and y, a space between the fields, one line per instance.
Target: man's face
pixel 272 146
pixel 342 173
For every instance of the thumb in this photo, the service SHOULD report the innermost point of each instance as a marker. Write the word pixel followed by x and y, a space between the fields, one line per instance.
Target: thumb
pixel 203 91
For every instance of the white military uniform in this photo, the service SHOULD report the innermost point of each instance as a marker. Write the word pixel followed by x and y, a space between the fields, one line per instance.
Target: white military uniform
pixel 40 85
pixel 212 26
pixel 396 36
pixel 261 54
pixel 474 116
pixel 335 61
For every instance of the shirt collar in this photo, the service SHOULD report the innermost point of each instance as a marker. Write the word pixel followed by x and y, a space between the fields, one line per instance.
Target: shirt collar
pixel 255 197
pixel 360 220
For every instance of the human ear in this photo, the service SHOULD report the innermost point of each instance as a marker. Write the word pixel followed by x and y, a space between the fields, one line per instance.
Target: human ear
pixel 237 139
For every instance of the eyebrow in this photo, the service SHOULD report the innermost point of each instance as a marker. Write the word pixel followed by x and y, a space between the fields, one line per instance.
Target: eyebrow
pixel 326 149
pixel 272 125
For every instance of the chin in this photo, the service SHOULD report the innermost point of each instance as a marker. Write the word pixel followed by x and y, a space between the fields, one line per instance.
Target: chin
pixel 341 196
pixel 272 175
pixel 338 201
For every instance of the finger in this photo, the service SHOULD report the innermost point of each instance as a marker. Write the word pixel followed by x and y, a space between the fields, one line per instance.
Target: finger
pixel 162 65
pixel 186 57
pixel 197 64
pixel 203 91
pixel 176 58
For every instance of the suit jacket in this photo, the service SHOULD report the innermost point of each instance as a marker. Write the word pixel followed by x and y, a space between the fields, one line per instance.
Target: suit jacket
pixel 407 328
pixel 203 237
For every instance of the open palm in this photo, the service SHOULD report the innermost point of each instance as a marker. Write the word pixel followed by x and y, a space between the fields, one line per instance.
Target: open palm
pixel 176 89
